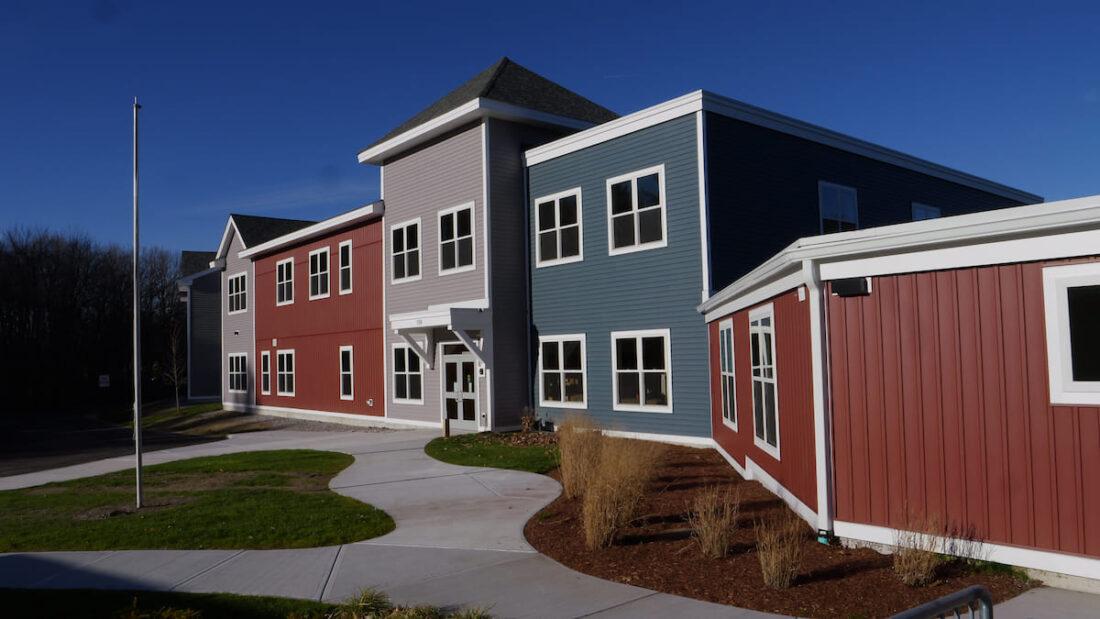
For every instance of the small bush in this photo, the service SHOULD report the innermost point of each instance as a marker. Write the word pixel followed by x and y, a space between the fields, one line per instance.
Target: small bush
pixel 529 419
pixel 916 556
pixel 614 493
pixel 371 604
pixel 579 443
pixel 779 544
pixel 713 519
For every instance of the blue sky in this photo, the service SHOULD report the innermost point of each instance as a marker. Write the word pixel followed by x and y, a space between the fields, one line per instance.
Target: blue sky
pixel 261 107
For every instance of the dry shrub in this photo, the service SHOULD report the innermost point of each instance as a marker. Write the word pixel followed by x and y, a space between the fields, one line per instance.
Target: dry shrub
pixel 779 544
pixel 579 442
pixel 916 556
pixel 713 519
pixel 529 419
pixel 614 493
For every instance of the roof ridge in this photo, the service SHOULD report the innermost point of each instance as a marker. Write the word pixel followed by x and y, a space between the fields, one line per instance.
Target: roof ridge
pixel 500 65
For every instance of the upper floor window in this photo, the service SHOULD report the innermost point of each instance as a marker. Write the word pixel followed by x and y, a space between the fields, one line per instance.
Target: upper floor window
pixel 318 273
pixel 238 373
pixel 559 228
pixel 284 281
pixel 405 251
pixel 636 211
pixel 729 386
pixel 924 211
pixel 561 371
pixel 762 344
pixel 642 366
pixel 456 239
pixel 839 207
pixel 238 293
pixel 345 267
pixel 347 385
pixel 1071 296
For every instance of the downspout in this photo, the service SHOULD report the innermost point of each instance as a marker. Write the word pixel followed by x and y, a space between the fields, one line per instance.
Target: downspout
pixel 819 358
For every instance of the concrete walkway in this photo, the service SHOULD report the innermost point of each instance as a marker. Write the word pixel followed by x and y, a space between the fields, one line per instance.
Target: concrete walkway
pixel 458 542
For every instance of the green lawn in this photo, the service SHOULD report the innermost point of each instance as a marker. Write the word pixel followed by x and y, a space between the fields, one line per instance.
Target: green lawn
pixel 95 604
pixel 269 499
pixel 166 414
pixel 495 450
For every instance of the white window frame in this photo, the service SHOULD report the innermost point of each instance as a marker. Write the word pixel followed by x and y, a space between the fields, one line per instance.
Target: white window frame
pixel 559 339
pixel 473 239
pixel 419 251
pixel 242 292
pixel 279 354
pixel 350 371
pixel 289 281
pixel 265 372
pixel 932 212
pixel 341 266
pixel 765 311
pixel 555 198
pixel 326 274
pixel 1056 280
pixel 242 358
pixel 408 352
pixel 637 337
pixel 821 185
pixel 727 355
pixel 633 178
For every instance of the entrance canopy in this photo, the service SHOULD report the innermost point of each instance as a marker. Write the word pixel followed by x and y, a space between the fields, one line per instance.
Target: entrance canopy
pixel 466 322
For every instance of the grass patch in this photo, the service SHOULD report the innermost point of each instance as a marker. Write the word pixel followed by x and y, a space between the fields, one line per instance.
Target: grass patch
pixel 493 450
pixel 168 414
pixel 976 566
pixel 95 604
pixel 271 499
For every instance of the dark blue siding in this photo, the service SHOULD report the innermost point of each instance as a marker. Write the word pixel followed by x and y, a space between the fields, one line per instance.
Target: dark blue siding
pixel 204 374
pixel 652 289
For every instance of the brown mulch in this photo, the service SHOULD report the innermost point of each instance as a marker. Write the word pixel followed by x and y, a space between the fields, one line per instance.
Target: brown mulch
pixel 528 439
pixel 657 552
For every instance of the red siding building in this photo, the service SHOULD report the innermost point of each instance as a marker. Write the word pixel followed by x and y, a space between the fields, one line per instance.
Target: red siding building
pixel 942 370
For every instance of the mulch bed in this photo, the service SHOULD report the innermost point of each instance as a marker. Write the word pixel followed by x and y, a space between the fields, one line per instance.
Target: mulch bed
pixel 657 552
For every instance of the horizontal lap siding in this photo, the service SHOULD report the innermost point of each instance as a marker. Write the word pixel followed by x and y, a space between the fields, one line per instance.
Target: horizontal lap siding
pixel 796 469
pixel 941 409
pixel 236 330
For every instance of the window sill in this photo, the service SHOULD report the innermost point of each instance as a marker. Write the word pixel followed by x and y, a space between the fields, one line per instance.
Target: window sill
pixel 613 251
pixel 318 297
pixel 641 408
pixel 280 304
pixel 559 261
pixel 732 425
pixel 556 404
pixel 414 402
pixel 244 311
pixel 766 447
pixel 405 280
pixel 456 270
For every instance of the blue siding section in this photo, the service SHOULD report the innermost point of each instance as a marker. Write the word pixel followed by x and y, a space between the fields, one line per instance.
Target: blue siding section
pixel 652 289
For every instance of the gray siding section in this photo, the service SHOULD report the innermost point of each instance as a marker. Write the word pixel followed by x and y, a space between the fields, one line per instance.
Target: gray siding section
pixel 205 337
pixel 237 332
pixel 653 289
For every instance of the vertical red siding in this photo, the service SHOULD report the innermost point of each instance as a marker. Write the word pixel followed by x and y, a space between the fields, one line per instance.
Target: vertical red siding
pixel 796 469
pixel 941 408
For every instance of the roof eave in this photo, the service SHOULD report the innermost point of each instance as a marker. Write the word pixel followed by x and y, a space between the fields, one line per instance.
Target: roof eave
pixel 371 211
pixel 223 246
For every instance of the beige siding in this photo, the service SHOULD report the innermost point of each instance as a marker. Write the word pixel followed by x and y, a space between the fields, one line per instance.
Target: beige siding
pixel 237 330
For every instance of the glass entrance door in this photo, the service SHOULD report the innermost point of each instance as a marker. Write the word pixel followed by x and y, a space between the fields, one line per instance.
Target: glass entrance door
pixel 460 387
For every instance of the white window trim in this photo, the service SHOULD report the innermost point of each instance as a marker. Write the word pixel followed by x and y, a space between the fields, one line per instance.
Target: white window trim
pixel 915 206
pixel 340 267
pixel 419 247
pixel 229 374
pixel 766 311
pixel 539 262
pixel 393 375
pixel 439 240
pixel 265 357
pixel 643 408
pixel 633 176
pixel 722 326
pixel 351 371
pixel 328 273
pixel 294 368
pixel 243 275
pixel 820 205
pixel 290 281
pixel 583 404
pixel 1056 279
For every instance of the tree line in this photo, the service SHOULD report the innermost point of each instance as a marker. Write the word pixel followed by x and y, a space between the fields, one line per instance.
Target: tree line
pixel 66 319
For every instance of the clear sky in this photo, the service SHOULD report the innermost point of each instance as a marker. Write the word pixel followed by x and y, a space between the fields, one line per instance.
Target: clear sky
pixel 261 107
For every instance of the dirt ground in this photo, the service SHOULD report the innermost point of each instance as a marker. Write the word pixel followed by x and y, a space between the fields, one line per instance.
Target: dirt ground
pixel 658 552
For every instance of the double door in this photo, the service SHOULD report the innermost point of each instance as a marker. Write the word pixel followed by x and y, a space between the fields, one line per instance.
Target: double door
pixel 460 387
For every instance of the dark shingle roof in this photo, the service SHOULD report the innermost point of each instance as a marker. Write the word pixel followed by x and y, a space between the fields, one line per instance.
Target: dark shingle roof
pixel 508 82
pixel 255 230
pixel 192 262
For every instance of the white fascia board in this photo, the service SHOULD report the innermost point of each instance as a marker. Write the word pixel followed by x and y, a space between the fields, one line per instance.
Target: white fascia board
pixel 321 228
pixel 757 294
pixel 223 247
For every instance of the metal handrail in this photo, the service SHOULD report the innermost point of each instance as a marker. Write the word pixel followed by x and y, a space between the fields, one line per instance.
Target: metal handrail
pixel 950 605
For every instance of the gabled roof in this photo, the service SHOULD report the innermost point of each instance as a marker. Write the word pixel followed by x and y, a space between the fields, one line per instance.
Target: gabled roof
pixel 192 262
pixel 506 82
pixel 255 230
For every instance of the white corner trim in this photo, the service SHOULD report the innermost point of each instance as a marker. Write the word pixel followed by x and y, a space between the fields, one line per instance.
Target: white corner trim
pixel 319 229
pixel 819 364
pixel 671 439
pixel 704 199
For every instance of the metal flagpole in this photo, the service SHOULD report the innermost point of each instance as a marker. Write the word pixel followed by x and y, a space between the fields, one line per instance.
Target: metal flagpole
pixel 137 319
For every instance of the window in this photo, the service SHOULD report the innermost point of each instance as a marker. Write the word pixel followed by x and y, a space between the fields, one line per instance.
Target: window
pixel 407 378
pixel 265 373
pixel 762 342
pixel 642 365
pixel 238 293
pixel 318 274
pixel 346 382
pixel 238 373
pixel 636 211
pixel 923 211
pixel 405 251
pixel 284 282
pixel 561 371
pixel 284 375
pixel 456 239
pixel 559 228
pixel 1071 295
pixel 839 207
pixel 345 267
pixel 729 387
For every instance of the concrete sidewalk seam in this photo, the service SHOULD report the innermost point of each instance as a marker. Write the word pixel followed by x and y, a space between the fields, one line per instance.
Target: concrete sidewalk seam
pixel 482 484
pixel 331 571
pixel 620 604
pixel 204 571
pixel 397 481
pixel 71 568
